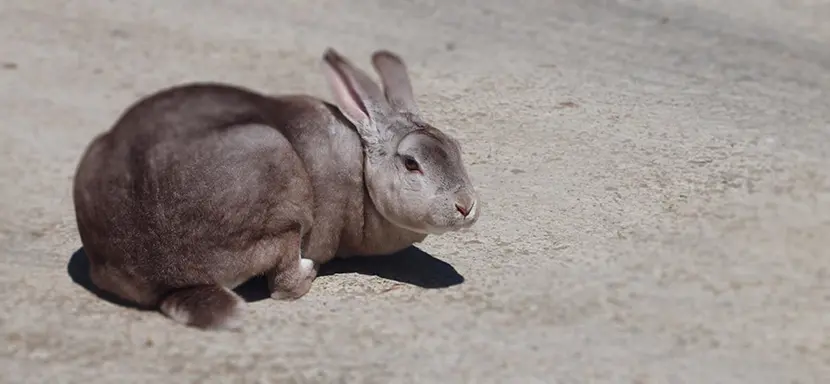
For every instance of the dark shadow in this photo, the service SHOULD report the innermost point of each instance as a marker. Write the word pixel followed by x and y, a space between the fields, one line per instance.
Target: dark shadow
pixel 410 266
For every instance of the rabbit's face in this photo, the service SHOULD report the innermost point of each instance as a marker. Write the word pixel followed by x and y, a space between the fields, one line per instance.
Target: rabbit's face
pixel 413 171
pixel 421 183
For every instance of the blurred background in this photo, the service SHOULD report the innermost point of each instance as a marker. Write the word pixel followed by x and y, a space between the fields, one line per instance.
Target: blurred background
pixel 655 181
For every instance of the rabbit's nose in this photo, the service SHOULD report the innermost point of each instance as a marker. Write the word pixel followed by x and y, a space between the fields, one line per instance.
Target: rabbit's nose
pixel 465 206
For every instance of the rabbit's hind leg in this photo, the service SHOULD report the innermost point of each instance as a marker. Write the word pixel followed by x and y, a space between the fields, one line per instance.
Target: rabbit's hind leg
pixel 205 306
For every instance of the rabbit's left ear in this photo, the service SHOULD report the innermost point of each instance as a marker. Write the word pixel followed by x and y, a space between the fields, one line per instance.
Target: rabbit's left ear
pixel 358 97
pixel 395 79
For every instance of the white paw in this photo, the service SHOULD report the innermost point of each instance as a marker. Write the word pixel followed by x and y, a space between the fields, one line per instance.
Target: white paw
pixel 306 265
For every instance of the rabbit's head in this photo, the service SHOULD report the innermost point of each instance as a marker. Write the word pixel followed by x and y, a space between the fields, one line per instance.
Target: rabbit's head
pixel 413 171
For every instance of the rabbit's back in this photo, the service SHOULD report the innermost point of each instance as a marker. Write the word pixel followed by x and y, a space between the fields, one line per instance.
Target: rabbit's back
pixel 186 189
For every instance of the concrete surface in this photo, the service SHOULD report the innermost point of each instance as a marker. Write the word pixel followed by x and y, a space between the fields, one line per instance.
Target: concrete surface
pixel 656 175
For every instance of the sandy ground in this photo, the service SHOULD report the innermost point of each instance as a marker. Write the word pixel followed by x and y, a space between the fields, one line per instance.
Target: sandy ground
pixel 656 177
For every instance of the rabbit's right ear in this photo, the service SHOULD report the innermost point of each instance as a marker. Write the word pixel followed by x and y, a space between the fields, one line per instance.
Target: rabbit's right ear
pixel 395 79
pixel 358 97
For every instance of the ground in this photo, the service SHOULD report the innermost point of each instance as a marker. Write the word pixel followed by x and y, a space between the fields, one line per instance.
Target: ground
pixel 655 181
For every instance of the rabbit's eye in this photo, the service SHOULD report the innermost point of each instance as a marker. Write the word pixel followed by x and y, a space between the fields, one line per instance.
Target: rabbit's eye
pixel 410 164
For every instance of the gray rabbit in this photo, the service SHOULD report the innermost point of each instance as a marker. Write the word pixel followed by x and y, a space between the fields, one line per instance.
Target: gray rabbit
pixel 201 186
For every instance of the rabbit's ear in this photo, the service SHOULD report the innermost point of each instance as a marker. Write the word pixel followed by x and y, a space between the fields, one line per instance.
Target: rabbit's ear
pixel 395 79
pixel 358 97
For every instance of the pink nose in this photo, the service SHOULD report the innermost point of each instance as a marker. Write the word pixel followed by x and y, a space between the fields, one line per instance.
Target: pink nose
pixel 464 209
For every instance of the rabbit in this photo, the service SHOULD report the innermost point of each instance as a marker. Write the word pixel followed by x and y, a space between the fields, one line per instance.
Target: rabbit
pixel 201 186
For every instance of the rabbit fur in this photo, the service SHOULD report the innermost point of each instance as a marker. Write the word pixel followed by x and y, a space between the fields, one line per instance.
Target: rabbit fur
pixel 201 186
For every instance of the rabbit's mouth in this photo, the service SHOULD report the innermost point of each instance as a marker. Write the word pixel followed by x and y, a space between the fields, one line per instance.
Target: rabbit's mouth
pixel 457 223
pixel 453 226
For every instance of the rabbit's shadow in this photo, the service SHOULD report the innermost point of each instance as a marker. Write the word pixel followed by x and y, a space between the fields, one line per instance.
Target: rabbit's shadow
pixel 410 266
